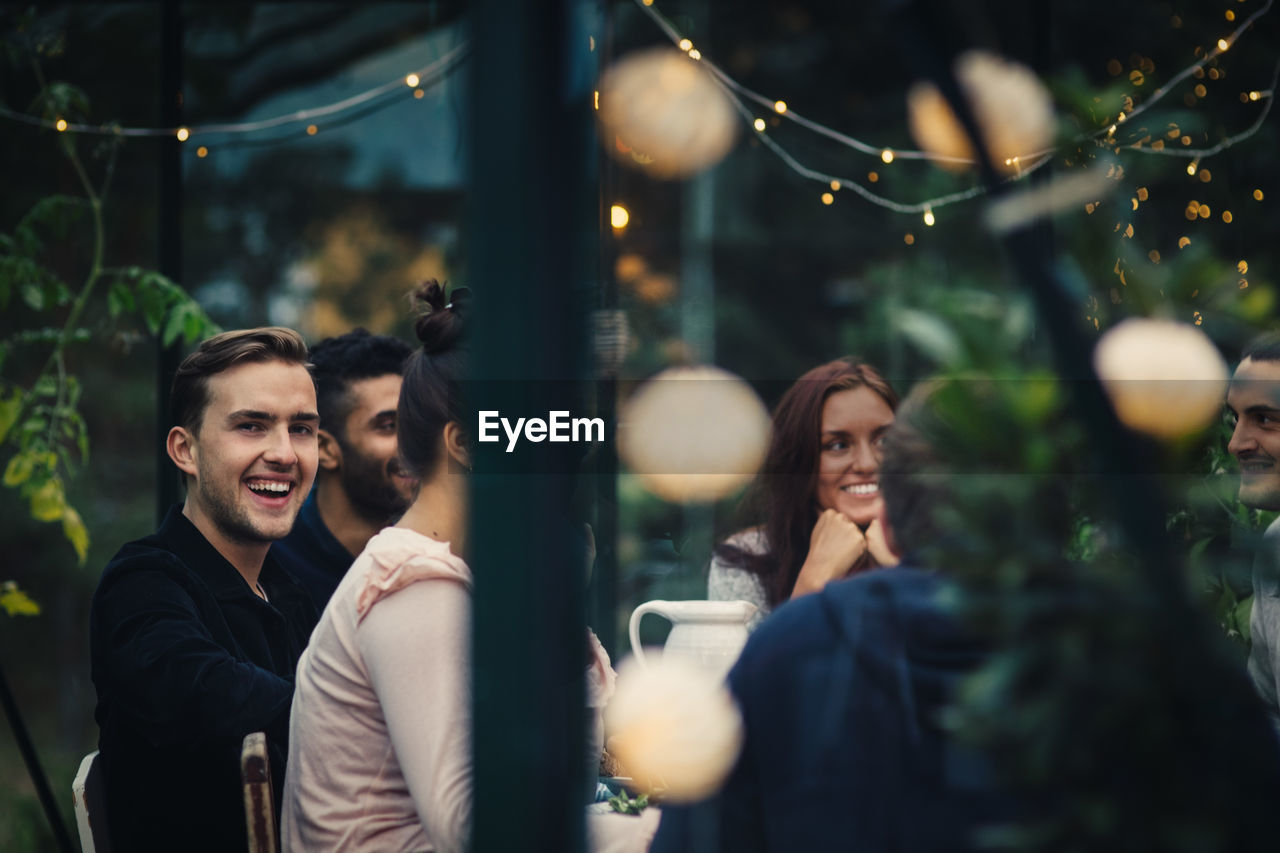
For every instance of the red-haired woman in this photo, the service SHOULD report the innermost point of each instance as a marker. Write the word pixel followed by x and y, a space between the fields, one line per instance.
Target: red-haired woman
pixel 818 493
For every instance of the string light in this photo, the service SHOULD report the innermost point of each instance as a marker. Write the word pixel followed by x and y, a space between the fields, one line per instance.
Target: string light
pixel 412 81
pixel 1223 44
pixel 695 54
pixel 61 125
pixel 202 152
pixel 434 72
pixel 618 217
pixel 685 45
pixel 758 124
pixel 739 93
pixel 928 217
pixel 1257 195
pixel 183 134
pixel 828 198
pixel 835 185
pixel 312 130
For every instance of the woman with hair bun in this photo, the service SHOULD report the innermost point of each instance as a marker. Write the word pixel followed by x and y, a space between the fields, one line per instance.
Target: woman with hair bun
pixel 380 731
pixel 379 738
pixel 818 492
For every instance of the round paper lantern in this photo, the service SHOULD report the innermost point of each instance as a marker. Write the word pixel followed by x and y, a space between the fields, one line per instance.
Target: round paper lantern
pixel 693 433
pixel 1165 379
pixel 673 727
pixel 1012 107
pixel 664 113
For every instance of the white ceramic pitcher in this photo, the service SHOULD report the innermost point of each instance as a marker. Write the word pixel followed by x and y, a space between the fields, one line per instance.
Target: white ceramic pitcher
pixel 710 634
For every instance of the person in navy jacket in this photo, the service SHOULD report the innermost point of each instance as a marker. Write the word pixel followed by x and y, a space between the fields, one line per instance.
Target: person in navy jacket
pixel 195 632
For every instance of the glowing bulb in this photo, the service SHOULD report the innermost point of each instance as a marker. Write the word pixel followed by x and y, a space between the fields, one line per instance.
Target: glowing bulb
pixel 183 134
pixel 1255 95
pixel 1257 195
pixel 61 125
pixel 686 45
pixel 828 198
pixel 202 152
pixel 695 54
pixel 412 81
pixel 619 217
pixel 1191 169
pixel 1223 44
pixel 780 107
pixel 928 217
pixel 835 185
pixel 595 99
pixel 312 130
pixel 758 124
pixel 418 94
pixel 909 238
pixel 887 155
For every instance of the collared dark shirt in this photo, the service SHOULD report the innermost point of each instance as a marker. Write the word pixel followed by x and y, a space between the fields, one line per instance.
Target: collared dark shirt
pixel 312 554
pixel 187 660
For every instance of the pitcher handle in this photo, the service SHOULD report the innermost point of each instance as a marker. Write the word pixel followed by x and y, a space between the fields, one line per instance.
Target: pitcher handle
pixel 634 627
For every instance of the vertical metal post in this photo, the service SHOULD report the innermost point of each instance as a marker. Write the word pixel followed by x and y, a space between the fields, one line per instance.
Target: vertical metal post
pixel 531 222
pixel 169 235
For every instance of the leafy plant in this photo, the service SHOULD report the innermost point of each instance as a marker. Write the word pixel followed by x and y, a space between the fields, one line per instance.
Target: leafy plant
pixel 624 803
pixel 44 439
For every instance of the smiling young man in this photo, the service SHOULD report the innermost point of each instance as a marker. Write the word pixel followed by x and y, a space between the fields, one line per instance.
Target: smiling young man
pixel 361 486
pixel 195 632
pixel 1254 400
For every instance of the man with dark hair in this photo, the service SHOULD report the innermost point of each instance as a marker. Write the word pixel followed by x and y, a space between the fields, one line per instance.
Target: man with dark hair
pixel 195 632
pixel 1254 400
pixel 361 486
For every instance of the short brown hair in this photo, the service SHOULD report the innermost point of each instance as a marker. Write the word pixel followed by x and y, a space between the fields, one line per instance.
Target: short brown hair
pixel 190 395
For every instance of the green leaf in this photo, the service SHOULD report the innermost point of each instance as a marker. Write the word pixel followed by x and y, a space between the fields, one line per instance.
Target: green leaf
pixel 16 602
pixel 33 294
pixel 930 335
pixel 119 298
pixel 153 301
pixel 73 527
pixel 62 100
pixel 10 406
pixel 48 503
pixel 173 328
pixel 19 469
pixel 55 212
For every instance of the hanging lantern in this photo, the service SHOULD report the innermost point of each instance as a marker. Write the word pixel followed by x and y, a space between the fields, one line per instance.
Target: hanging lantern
pixel 1165 379
pixel 662 112
pixel 693 434
pixel 673 728
pixel 1012 107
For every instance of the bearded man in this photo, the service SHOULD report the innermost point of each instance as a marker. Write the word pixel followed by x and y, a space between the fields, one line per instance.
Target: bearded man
pixel 361 486
pixel 1254 401
pixel 195 631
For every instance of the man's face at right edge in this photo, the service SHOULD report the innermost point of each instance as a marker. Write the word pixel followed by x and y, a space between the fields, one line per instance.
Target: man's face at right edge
pixel 1254 400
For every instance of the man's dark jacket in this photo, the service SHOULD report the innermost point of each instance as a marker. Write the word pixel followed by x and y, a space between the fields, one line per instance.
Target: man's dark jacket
pixel 842 693
pixel 313 555
pixel 187 660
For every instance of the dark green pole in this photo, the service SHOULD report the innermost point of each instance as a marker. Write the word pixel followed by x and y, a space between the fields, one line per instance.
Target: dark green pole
pixel 169 236
pixel 531 222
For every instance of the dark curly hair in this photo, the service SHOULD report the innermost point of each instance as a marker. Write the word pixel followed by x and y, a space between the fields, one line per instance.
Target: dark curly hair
pixel 340 361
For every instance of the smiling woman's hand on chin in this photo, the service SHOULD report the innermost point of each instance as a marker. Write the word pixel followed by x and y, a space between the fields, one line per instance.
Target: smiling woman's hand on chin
pixel 835 545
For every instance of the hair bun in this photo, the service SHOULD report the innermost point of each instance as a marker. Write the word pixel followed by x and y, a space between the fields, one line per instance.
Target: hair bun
pixel 442 322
